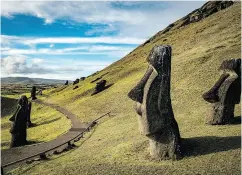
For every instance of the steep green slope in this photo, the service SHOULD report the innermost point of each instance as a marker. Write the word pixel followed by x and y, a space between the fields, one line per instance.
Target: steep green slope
pixel 49 122
pixel 116 147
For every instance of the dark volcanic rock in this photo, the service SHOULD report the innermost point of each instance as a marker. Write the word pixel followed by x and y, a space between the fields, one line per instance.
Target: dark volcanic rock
pixel 33 93
pixel 152 95
pixel 100 86
pixel 76 81
pixel 19 126
pixel 66 83
pixel 82 78
pixel 75 87
pixel 225 93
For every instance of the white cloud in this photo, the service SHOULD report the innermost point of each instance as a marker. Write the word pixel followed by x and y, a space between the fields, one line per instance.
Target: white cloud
pixel 20 65
pixel 52 45
pixel 71 40
pixel 37 61
pixel 141 19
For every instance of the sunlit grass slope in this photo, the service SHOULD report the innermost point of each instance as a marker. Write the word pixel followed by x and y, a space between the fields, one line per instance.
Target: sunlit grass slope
pixel 49 124
pixel 116 147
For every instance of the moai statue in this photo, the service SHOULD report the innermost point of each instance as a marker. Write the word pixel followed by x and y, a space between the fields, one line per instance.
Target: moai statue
pixel 66 83
pixel 100 86
pixel 19 126
pixel 225 93
pixel 156 118
pixel 29 123
pixel 33 93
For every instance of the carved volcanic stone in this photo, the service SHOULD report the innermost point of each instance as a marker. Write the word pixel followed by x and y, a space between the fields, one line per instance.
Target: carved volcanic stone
pixel 156 118
pixel 82 78
pixel 76 81
pixel 100 86
pixel 225 93
pixel 66 83
pixel 29 123
pixel 19 126
pixel 33 93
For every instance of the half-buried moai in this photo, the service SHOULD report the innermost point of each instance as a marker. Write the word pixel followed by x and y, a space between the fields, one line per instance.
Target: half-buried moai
pixel 156 118
pixel 66 83
pixel 33 93
pixel 225 93
pixel 19 126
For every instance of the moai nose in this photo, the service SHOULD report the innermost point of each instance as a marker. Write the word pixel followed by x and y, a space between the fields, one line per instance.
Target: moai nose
pixel 137 92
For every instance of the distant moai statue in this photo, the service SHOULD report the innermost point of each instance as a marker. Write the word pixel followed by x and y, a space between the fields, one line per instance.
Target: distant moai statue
pixel 29 123
pixel 19 126
pixel 33 93
pixel 100 86
pixel 76 81
pixel 82 78
pixel 156 118
pixel 66 83
pixel 225 93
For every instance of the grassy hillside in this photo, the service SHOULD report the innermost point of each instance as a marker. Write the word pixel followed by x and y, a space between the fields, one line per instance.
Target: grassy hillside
pixel 49 123
pixel 115 145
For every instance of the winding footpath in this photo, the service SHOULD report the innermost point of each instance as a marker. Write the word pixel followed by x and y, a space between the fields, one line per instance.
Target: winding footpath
pixel 20 153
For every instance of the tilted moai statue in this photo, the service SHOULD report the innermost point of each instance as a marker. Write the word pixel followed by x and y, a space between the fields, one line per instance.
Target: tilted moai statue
pixel 66 83
pixel 100 86
pixel 19 126
pixel 33 93
pixel 156 118
pixel 225 93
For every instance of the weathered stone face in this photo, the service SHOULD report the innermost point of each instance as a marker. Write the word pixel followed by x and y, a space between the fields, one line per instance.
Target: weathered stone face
pixel 66 83
pixel 153 104
pixel 19 126
pixel 225 93
pixel 152 93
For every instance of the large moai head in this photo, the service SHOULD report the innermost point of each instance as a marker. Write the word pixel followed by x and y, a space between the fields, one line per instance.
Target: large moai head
pixel 23 101
pixel 225 93
pixel 153 105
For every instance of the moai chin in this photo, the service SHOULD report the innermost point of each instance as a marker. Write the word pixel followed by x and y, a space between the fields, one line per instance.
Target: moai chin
pixel 156 118
pixel 225 93
pixel 33 93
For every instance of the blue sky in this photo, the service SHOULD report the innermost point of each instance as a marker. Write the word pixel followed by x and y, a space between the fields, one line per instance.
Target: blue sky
pixel 68 40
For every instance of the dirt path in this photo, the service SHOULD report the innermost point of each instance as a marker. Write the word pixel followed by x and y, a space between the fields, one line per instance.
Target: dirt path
pixel 16 154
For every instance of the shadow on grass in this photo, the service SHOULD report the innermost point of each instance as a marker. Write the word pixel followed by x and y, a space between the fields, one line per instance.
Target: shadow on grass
pixel 209 144
pixel 47 122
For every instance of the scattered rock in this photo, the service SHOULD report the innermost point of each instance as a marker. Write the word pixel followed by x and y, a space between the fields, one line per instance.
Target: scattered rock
pixel 82 78
pixel 76 81
pixel 75 87
pixel 100 86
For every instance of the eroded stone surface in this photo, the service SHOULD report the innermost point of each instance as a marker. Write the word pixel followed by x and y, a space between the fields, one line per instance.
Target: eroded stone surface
pixel 156 118
pixel 225 93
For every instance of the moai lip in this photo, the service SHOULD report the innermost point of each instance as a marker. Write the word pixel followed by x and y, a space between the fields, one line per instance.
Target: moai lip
pixel 153 105
pixel 225 93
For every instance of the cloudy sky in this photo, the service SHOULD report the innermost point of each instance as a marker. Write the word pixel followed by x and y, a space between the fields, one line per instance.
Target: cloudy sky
pixel 67 40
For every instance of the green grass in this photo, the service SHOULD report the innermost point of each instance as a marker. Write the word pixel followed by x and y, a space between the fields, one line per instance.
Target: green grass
pixel 115 146
pixel 49 124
